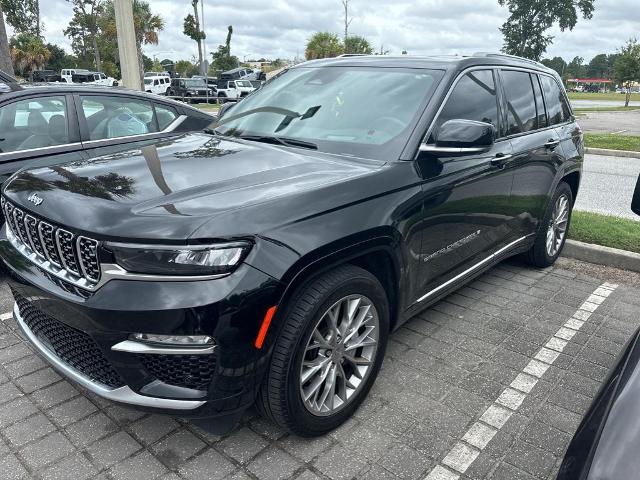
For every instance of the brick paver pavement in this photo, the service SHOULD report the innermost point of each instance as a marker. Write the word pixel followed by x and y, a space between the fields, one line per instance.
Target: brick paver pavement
pixel 443 370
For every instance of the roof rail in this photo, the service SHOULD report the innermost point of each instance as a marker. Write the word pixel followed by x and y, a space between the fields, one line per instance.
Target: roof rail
pixel 505 55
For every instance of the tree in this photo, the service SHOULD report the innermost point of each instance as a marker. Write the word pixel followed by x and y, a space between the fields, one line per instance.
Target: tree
pixel 192 30
pixel 347 20
pixel 222 61
pixel 524 31
pixel 627 66
pixel 185 68
pixel 147 26
pixel 576 69
pixel 23 15
pixel 28 53
pixel 323 45
pixel 598 66
pixel 84 28
pixel 556 63
pixel 6 65
pixel 357 44
pixel 59 58
pixel 228 41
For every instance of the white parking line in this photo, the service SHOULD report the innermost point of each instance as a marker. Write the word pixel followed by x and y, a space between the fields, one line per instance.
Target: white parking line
pixel 478 436
pixel 6 316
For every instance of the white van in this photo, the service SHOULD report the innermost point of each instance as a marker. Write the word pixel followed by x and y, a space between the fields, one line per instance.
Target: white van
pixel 158 84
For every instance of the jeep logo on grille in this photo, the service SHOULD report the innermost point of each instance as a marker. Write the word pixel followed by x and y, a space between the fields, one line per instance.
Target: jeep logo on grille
pixel 35 199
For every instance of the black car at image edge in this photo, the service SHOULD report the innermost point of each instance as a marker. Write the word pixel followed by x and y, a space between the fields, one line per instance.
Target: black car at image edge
pixel 267 260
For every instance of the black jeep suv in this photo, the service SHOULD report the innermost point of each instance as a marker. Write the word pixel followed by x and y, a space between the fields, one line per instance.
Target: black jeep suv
pixel 267 260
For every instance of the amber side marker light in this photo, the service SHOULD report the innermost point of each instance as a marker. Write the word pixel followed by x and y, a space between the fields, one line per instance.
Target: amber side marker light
pixel 265 326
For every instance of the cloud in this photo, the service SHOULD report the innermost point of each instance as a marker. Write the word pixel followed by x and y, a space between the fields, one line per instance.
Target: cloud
pixel 280 28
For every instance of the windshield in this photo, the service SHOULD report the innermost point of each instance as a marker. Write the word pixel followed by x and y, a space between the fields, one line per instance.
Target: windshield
pixel 361 111
pixel 148 81
pixel 243 83
pixel 194 82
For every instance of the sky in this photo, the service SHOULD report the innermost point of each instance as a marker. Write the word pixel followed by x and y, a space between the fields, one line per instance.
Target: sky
pixel 280 28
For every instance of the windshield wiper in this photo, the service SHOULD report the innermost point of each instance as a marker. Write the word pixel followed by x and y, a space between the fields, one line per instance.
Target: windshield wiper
pixel 287 142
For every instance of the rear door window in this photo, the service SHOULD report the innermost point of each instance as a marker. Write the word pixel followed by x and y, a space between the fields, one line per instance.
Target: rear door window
pixel 473 98
pixel 520 102
pixel 542 117
pixel 558 110
pixel 116 116
pixel 34 123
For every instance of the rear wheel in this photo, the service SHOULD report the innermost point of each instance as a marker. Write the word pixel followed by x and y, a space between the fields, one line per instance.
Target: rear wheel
pixel 552 235
pixel 329 352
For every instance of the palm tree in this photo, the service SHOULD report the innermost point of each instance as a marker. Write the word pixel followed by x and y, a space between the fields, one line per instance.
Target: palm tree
pixel 147 25
pixel 28 53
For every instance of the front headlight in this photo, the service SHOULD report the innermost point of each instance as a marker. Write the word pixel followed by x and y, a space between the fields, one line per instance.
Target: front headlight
pixel 180 260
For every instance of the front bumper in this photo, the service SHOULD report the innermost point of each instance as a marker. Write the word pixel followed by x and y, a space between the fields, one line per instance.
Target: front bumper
pixel 199 383
pixel 122 394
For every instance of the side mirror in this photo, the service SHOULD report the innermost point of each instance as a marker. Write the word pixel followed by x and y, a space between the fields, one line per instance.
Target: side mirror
pixel 224 109
pixel 462 136
pixel 635 202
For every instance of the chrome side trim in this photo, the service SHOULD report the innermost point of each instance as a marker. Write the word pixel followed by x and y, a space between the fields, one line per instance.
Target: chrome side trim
pixel 121 394
pixel 40 149
pixel 432 148
pixel 132 346
pixel 472 269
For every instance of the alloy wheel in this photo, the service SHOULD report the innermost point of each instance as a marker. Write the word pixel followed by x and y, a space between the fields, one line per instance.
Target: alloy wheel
pixel 558 225
pixel 339 355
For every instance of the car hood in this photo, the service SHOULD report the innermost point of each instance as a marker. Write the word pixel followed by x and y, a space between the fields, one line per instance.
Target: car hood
pixel 170 188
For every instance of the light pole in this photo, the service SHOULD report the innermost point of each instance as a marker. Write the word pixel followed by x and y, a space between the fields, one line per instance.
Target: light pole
pixel 127 49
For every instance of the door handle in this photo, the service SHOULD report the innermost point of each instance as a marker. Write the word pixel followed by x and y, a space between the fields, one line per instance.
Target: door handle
pixel 500 159
pixel 551 144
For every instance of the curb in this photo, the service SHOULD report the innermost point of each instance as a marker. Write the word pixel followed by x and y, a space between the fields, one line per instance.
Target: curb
pixel 610 257
pixel 612 153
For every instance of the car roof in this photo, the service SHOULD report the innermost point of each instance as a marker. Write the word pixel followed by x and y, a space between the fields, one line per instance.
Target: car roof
pixel 21 89
pixel 441 62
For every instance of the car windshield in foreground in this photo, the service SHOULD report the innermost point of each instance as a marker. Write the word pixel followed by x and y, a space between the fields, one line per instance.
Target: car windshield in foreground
pixel 360 111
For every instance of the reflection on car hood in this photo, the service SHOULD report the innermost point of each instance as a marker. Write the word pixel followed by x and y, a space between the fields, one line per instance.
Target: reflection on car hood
pixel 189 179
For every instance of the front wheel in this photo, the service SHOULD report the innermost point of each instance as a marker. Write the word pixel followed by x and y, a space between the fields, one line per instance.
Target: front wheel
pixel 553 232
pixel 329 352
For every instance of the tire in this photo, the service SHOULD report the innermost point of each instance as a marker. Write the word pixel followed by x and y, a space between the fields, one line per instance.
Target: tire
pixel 540 255
pixel 281 393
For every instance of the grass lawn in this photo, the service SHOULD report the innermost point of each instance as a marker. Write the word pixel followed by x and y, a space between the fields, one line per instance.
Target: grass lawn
pixel 605 230
pixel 207 107
pixel 578 111
pixel 615 142
pixel 602 96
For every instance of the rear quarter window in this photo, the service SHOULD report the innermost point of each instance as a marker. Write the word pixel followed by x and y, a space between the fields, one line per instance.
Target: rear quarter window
pixel 558 110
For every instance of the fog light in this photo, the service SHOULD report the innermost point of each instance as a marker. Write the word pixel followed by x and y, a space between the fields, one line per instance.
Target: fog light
pixel 180 340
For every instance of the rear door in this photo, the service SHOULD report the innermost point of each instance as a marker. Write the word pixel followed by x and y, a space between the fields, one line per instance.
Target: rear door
pixel 536 147
pixel 466 211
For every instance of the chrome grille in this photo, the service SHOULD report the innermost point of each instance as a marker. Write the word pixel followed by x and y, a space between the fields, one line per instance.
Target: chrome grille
pixel 77 255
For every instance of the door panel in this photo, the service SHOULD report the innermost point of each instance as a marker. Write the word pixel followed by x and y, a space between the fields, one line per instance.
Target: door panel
pixel 466 212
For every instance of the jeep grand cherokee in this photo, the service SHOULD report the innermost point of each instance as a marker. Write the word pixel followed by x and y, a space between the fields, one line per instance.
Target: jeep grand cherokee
pixel 268 259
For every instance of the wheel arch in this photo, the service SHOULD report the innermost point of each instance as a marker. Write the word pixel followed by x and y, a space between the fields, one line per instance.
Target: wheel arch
pixel 378 255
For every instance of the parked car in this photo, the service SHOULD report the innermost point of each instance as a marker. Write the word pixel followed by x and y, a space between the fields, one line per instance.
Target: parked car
pixel 267 260
pixel 236 74
pixel 68 73
pixel 160 84
pixel 234 89
pixel 189 88
pixel 47 125
pixel 605 446
pixel 94 78
pixel 46 76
